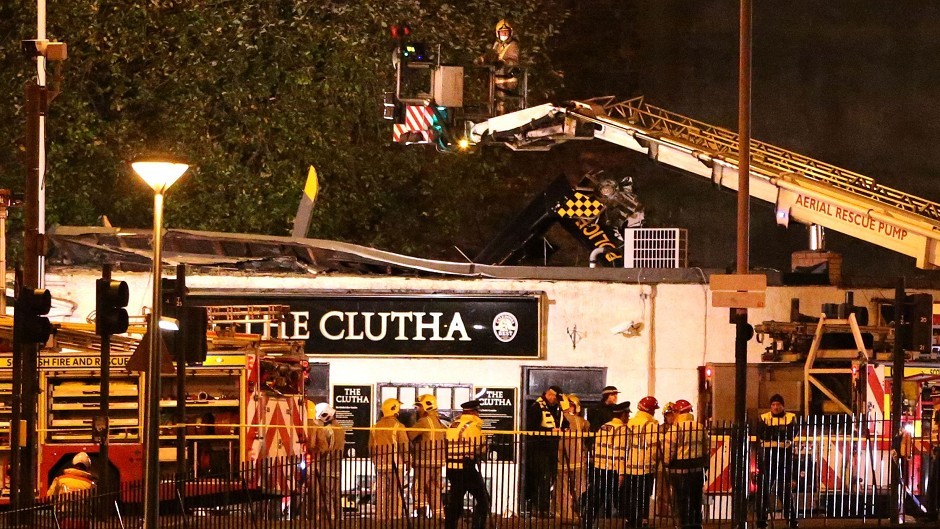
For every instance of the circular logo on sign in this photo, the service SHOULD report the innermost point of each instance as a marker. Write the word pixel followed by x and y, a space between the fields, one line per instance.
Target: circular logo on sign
pixel 505 326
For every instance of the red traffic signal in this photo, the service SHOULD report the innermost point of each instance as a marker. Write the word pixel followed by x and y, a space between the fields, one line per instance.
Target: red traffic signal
pixel 111 298
pixel 30 323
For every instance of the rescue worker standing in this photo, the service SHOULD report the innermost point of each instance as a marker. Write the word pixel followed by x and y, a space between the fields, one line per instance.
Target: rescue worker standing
pixel 642 462
pixel 609 465
pixel 388 449
pixel 429 452
pixel 545 420
pixel 466 446
pixel 571 481
pixel 685 456
pixel 776 430
pixel 327 442
pixel 933 482
pixel 75 478
pixel 503 56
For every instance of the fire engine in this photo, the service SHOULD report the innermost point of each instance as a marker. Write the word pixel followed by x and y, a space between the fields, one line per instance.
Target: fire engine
pixel 245 402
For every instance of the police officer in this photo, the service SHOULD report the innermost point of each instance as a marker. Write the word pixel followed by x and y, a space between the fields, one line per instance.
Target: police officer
pixel 388 448
pixel 776 430
pixel 642 462
pixel 544 419
pixel 466 446
pixel 571 481
pixel 602 413
pixel 685 456
pixel 428 456
pixel 327 441
pixel 608 466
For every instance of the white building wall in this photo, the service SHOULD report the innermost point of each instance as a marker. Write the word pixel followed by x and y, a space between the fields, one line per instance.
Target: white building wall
pixel 679 329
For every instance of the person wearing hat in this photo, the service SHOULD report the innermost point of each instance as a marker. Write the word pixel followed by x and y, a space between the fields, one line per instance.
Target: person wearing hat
pixel 570 479
pixel 776 431
pixel 608 467
pixel 327 439
pixel 75 478
pixel 642 462
pixel 545 420
pixel 466 446
pixel 388 449
pixel 428 454
pixel 933 481
pixel 602 413
pixel 685 455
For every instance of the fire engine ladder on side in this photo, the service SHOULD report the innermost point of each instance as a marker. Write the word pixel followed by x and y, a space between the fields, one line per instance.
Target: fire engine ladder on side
pixel 802 189
pixel 826 362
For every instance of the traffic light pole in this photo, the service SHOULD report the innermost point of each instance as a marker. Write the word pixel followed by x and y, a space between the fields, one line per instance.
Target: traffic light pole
pixel 105 404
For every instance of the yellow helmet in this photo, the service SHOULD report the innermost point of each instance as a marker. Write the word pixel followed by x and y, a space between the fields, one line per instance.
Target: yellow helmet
pixel 563 402
pixel 428 402
pixel 504 24
pixel 575 402
pixel 390 407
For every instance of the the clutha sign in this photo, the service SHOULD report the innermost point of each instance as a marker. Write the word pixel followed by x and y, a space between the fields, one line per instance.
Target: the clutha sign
pixel 392 325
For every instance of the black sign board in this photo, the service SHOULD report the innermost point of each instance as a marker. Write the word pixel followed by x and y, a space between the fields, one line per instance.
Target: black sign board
pixel 491 326
pixel 498 411
pixel 353 406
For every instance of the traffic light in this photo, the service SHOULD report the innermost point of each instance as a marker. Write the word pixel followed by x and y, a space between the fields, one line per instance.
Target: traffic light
pixel 194 324
pixel 30 323
pixel 111 299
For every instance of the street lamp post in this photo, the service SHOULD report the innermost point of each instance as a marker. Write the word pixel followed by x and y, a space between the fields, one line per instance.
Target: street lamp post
pixel 159 175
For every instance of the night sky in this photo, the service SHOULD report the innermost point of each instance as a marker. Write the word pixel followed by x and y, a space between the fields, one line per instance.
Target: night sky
pixel 852 83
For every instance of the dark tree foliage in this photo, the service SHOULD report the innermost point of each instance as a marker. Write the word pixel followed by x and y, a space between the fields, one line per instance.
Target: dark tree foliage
pixel 251 93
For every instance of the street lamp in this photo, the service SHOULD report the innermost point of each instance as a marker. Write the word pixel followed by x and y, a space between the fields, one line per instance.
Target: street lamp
pixel 159 175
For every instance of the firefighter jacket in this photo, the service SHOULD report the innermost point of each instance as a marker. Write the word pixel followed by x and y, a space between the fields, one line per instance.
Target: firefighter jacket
pixel 71 480
pixel 545 418
pixel 642 444
pixel 610 446
pixel 428 447
pixel 327 442
pixel 388 445
pixel 776 432
pixel 466 443
pixel 685 445
pixel 571 444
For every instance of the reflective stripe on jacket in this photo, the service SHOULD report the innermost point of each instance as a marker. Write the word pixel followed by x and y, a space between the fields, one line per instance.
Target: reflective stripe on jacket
pixel 610 446
pixel 71 480
pixel 642 444
pixel 685 445
pixel 777 432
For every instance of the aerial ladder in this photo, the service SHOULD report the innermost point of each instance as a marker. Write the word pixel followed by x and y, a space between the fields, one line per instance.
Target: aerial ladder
pixel 802 189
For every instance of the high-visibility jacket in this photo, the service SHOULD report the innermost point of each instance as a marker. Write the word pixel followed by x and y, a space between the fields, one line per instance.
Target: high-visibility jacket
pixel 388 444
pixel 466 443
pixel 428 447
pixel 571 444
pixel 71 480
pixel 545 418
pixel 642 444
pixel 327 442
pixel 776 432
pixel 685 445
pixel 610 446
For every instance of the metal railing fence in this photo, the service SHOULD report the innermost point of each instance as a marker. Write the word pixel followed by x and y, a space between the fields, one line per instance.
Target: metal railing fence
pixel 832 467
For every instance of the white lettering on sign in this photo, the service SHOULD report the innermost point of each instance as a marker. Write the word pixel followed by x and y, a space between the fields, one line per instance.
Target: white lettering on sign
pixel 495 398
pixel 852 217
pixel 352 396
pixel 407 326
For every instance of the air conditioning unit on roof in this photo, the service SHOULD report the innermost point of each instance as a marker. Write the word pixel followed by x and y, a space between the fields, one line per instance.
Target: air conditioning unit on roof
pixel 655 248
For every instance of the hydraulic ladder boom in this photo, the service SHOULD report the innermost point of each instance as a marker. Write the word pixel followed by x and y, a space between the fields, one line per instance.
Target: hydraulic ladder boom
pixel 802 189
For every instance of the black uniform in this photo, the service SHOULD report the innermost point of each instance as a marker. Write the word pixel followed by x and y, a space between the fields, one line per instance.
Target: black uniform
pixel 541 455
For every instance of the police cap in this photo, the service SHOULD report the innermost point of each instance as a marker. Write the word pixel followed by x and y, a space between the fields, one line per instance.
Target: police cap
pixel 621 407
pixel 471 405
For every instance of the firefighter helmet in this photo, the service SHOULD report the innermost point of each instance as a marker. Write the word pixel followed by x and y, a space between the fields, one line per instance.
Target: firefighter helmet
pixel 325 412
pixel 428 402
pixel 81 458
pixel 564 403
pixel 504 25
pixel 648 404
pixel 575 402
pixel 682 406
pixel 390 407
